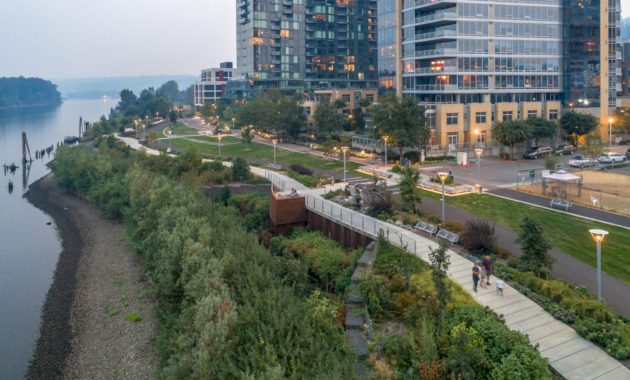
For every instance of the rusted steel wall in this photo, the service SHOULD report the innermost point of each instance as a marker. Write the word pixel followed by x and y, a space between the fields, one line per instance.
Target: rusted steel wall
pixel 347 237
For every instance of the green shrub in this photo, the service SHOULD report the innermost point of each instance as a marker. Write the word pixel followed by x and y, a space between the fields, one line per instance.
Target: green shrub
pixel 396 169
pixel 479 237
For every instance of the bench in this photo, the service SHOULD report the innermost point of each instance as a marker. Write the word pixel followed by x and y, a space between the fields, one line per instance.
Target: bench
pixel 426 227
pixel 447 235
pixel 561 202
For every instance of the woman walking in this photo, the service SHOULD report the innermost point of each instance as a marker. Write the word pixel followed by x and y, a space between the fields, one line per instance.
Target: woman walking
pixel 476 271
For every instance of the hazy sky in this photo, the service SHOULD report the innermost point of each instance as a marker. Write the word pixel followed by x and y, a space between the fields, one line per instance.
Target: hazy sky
pixel 88 38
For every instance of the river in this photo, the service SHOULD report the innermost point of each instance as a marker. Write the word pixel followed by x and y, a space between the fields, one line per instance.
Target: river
pixel 29 247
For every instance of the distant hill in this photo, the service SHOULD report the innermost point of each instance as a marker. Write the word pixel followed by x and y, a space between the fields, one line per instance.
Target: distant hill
pixel 27 92
pixel 92 88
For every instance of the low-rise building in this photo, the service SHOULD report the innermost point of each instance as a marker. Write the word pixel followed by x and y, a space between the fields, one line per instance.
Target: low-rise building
pixel 213 84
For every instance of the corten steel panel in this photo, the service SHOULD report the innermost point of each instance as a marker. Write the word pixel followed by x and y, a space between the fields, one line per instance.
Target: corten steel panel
pixel 347 237
pixel 287 210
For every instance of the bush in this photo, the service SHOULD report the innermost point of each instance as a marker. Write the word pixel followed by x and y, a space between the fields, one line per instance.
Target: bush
pixel 240 170
pixel 396 169
pixel 448 181
pixel 300 169
pixel 479 237
pixel 412 155
pixel 504 155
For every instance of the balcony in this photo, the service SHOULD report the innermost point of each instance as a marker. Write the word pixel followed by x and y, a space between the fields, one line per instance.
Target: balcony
pixel 434 18
pixel 433 70
pixel 425 4
pixel 439 35
pixel 435 87
pixel 434 53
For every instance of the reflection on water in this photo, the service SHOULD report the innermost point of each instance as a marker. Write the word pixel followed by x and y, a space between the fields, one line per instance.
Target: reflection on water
pixel 28 247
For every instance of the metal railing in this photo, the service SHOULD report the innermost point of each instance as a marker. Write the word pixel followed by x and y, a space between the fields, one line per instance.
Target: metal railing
pixel 278 181
pixel 362 223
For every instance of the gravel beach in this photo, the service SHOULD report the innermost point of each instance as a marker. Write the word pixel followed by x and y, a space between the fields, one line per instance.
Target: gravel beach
pixel 98 321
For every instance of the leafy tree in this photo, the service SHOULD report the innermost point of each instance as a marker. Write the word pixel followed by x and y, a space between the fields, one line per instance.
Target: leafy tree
pixel 466 358
pixel 402 120
pixel 273 112
pixel 240 170
pixel 512 132
pixel 170 90
pixel 358 119
pixel 339 104
pixel 542 128
pixel 24 92
pixel 210 113
pixel 247 135
pixel 593 146
pixel 408 187
pixel 440 262
pixel 327 118
pixel 535 248
pixel 128 102
pixel 578 124
pixel 228 113
pixel 622 119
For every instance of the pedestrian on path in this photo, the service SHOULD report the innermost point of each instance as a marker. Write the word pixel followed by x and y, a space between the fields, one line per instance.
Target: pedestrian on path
pixel 487 266
pixel 500 285
pixel 476 271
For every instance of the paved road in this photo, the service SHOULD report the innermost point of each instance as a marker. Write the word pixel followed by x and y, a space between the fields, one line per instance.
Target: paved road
pixel 616 293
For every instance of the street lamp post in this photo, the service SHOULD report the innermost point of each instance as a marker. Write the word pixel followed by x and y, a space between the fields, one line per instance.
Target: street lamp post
pixel 220 137
pixel 599 236
pixel 344 149
pixel 385 139
pixel 610 122
pixel 275 142
pixel 233 120
pixel 170 133
pixel 478 153
pixel 442 176
pixel 476 137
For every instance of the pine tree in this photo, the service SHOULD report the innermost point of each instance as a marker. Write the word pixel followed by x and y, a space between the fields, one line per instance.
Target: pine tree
pixel 440 261
pixel 535 247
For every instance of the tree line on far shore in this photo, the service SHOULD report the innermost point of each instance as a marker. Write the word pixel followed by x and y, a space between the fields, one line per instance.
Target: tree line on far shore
pixel 27 92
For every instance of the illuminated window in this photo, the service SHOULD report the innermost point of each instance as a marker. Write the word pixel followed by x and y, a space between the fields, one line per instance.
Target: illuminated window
pixel 284 33
pixel 361 76
pixel 257 41
pixel 348 67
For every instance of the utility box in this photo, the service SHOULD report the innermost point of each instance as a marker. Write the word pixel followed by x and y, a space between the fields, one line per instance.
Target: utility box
pixel 462 158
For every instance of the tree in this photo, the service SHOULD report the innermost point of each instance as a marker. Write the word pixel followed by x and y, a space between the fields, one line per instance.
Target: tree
pixel 169 90
pixel 512 132
pixel 228 113
pixel 440 261
pixel 247 134
pixel 593 146
pixel 128 102
pixel 535 248
pixel 542 128
pixel 210 113
pixel 578 124
pixel 402 120
pixel 327 118
pixel 240 170
pixel 358 119
pixel 408 186
pixel 622 119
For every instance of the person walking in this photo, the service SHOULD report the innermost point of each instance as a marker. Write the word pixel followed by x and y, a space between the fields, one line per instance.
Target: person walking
pixel 487 266
pixel 476 271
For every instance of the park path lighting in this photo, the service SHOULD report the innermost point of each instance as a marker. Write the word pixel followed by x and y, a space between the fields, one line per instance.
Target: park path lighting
pixel 443 176
pixel 275 142
pixel 610 123
pixel 598 236
pixel 476 132
pixel 233 121
pixel 344 149
pixel 170 134
pixel 220 137
pixel 385 139
pixel 478 153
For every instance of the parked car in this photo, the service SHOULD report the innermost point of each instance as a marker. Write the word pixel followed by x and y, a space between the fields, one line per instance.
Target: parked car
pixel 564 149
pixel 611 158
pixel 628 154
pixel 581 161
pixel 537 151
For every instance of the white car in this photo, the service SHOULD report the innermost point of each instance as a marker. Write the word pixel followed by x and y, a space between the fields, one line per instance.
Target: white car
pixel 581 161
pixel 611 158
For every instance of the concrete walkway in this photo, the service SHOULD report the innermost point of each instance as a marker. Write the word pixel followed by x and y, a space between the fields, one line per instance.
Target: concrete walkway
pixel 571 355
pixel 616 293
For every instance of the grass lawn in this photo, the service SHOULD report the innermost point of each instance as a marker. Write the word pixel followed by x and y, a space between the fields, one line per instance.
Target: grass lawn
pixel 235 147
pixel 567 233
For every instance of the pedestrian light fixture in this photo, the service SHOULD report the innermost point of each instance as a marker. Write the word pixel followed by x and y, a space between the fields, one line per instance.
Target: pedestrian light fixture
pixel 344 149
pixel 275 142
pixel 385 139
pixel 598 236
pixel 443 176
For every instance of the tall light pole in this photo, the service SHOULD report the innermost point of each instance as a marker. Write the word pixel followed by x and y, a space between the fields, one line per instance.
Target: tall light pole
pixel 442 176
pixel 170 133
pixel 275 142
pixel 220 137
pixel 610 122
pixel 476 137
pixel 478 153
pixel 385 139
pixel 599 236
pixel 344 149
pixel 233 120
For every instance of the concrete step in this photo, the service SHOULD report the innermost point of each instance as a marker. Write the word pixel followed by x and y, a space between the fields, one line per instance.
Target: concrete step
pixel 357 340
pixel 354 318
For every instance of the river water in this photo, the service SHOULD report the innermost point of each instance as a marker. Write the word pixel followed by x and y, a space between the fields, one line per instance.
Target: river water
pixel 29 248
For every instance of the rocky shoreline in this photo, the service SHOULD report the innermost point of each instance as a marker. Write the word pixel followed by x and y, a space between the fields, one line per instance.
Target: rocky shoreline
pixel 98 318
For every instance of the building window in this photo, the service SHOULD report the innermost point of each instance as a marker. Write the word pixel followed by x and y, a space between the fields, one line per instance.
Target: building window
pixel 553 114
pixel 346 98
pixel 480 117
pixel 369 98
pixel 451 118
pixel 532 114
pixel 481 138
pixel 508 115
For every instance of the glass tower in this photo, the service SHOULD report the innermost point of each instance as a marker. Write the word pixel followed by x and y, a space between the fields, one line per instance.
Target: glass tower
pixel 467 51
pixel 387 45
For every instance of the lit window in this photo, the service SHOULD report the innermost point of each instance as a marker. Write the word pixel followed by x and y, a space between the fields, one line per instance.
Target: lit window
pixel 284 33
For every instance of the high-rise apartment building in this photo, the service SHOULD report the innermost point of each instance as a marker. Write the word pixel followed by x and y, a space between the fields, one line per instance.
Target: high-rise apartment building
pixel 304 45
pixel 388 13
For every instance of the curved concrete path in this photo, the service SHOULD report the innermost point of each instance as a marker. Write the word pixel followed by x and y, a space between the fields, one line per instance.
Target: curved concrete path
pixel 571 355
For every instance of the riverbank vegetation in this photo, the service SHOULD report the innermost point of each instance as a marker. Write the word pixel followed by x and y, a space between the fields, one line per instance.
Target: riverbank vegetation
pixel 414 339
pixel 28 92
pixel 224 310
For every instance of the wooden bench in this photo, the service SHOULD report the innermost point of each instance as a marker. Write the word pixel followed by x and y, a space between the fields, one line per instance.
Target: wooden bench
pixel 426 227
pixel 561 202
pixel 447 235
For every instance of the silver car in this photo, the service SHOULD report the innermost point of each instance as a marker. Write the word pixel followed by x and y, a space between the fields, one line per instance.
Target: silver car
pixel 581 161
pixel 611 158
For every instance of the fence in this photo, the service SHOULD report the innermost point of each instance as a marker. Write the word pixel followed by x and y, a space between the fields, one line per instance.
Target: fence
pixel 530 177
pixel 362 223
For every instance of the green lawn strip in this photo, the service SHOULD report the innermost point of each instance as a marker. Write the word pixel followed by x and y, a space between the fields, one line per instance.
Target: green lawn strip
pixel 265 152
pixel 567 233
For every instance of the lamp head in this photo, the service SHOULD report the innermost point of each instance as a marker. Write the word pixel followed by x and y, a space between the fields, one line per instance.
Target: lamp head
pixel 344 149
pixel 274 141
pixel 598 235
pixel 442 176
pixel 478 152
pixel 610 120
pixel 476 132
pixel 385 138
